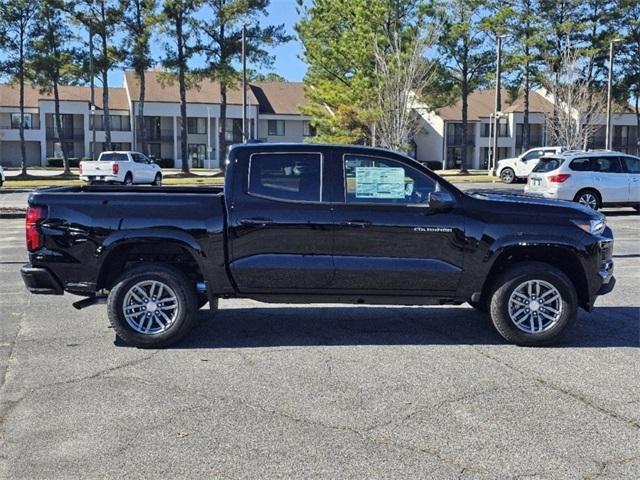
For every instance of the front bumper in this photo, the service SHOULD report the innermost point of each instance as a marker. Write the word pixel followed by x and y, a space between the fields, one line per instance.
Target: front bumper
pixel 40 280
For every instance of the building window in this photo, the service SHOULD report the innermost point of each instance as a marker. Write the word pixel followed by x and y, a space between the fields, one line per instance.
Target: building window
pixel 119 123
pixel 197 153
pixel 308 130
pixel 486 129
pixel 197 125
pixel 26 123
pixel 276 128
pixel 233 130
pixel 454 134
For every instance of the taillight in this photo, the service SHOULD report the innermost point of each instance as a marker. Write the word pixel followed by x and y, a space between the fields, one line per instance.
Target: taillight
pixel 80 168
pixel 34 238
pixel 115 168
pixel 559 178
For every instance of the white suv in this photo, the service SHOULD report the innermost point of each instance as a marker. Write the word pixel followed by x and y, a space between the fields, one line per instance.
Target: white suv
pixel 511 169
pixel 595 179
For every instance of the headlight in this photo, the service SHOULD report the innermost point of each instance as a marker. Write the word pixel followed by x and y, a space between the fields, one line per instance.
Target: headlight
pixel 594 227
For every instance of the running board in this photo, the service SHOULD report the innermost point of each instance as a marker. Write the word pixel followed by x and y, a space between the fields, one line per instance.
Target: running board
pixel 87 302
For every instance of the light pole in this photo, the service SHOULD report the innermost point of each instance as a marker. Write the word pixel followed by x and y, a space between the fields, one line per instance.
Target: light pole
pixel 244 83
pixel 498 105
pixel 490 143
pixel 93 95
pixel 608 131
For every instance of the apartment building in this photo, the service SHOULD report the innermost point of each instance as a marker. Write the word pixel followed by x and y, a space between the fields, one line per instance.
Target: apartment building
pixel 273 115
pixel 441 138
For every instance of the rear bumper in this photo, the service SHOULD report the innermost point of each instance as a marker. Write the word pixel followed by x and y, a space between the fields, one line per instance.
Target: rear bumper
pixel 40 280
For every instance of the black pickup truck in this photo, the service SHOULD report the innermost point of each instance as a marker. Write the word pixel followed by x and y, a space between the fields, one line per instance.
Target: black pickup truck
pixel 303 223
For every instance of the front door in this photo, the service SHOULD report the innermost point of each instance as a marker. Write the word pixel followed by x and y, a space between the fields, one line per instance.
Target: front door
pixel 388 240
pixel 280 235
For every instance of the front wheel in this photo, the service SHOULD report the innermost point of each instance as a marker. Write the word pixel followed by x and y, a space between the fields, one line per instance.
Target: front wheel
pixel 533 303
pixel 507 175
pixel 152 306
pixel 128 179
pixel 157 181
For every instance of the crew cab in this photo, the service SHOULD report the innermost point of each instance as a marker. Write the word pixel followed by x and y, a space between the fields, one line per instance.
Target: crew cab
pixel 124 167
pixel 302 223
pixel 512 169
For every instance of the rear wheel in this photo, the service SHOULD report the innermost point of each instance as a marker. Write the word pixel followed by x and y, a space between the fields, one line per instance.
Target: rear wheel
pixel 589 198
pixel 152 306
pixel 128 179
pixel 533 303
pixel 507 175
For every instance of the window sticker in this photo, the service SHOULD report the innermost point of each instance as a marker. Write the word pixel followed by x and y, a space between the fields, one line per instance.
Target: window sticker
pixel 380 182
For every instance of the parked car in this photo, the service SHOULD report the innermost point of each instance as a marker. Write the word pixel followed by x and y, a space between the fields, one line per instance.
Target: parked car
pixel 125 167
pixel 594 179
pixel 1 176
pixel 350 225
pixel 512 169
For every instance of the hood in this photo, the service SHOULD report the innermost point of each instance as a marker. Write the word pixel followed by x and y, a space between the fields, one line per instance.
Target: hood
pixel 531 205
pixel 507 160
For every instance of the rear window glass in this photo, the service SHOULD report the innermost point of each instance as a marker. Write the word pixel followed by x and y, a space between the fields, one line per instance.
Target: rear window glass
pixel 113 157
pixel 548 164
pixel 580 165
pixel 286 176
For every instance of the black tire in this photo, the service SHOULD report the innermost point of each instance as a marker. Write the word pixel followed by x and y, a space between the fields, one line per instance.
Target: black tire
pixel 514 277
pixel 507 175
pixel 128 179
pixel 585 195
pixel 186 305
pixel 157 181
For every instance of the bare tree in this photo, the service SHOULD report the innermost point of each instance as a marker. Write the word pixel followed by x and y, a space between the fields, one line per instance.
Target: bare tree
pixel 402 73
pixel 579 105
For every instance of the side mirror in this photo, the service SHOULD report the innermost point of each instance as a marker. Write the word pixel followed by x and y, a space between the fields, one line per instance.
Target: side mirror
pixel 441 200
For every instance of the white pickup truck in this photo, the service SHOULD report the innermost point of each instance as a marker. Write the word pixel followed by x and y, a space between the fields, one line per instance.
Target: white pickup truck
pixel 511 169
pixel 124 167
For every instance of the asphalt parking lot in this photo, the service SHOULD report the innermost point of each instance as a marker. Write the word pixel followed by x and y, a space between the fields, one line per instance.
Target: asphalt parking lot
pixel 268 391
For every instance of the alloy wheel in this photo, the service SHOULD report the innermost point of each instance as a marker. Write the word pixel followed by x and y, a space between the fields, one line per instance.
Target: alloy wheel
pixel 588 199
pixel 150 307
pixel 535 306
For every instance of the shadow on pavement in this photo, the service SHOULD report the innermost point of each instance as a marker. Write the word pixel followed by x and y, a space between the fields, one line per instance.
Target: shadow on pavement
pixel 339 326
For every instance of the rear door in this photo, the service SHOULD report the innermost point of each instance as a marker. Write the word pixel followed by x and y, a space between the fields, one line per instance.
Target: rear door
pixel 279 230
pixel 387 240
pixel 610 179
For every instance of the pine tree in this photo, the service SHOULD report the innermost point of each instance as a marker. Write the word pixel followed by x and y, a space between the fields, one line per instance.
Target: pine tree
pixel 139 21
pixel 179 16
pixel 52 61
pixel 465 53
pixel 16 21
pixel 222 47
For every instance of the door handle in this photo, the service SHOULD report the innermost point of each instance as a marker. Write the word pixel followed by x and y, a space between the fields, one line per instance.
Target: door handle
pixel 356 223
pixel 262 222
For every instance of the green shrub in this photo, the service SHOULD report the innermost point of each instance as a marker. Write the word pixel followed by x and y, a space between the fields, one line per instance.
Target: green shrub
pixel 57 162
pixel 165 162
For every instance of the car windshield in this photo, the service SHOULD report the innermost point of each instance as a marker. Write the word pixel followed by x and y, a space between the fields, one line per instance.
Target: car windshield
pixel 113 157
pixel 548 164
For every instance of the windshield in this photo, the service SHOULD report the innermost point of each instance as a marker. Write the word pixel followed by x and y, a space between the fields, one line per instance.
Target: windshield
pixel 113 157
pixel 548 164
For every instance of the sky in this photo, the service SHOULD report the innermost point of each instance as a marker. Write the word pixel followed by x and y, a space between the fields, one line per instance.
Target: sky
pixel 287 62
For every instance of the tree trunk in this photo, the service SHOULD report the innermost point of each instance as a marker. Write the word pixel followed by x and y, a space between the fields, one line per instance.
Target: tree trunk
pixel 58 120
pixel 142 131
pixel 465 126
pixel 222 140
pixel 105 96
pixel 23 148
pixel 183 96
